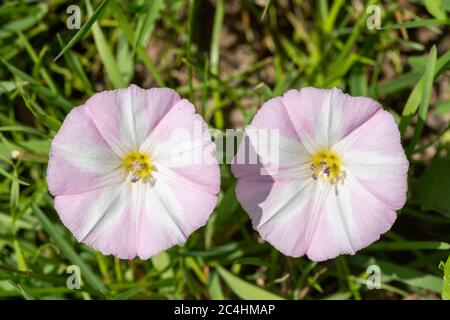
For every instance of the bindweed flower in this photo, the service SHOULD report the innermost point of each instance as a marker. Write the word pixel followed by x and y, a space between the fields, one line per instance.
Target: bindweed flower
pixel 333 181
pixel 133 171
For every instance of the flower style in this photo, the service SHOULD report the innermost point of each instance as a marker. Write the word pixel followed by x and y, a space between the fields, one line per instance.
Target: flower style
pixel 341 173
pixel 122 172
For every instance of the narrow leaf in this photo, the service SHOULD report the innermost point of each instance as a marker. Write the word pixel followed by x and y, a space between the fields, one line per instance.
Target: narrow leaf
pixel 85 28
pixel 243 289
pixel 87 274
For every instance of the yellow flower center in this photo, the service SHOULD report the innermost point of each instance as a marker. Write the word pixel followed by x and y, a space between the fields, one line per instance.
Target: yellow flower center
pixel 326 164
pixel 137 166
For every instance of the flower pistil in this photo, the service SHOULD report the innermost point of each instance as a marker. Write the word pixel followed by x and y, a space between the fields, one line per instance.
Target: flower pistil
pixel 326 165
pixel 137 166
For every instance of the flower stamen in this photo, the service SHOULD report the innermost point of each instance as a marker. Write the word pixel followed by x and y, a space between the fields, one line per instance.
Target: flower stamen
pixel 326 166
pixel 137 166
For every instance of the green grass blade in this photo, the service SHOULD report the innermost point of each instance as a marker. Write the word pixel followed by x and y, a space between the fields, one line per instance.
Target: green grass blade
pixel 417 24
pixel 10 176
pixel 85 28
pixel 75 65
pixel 8 86
pixel 191 24
pixel 331 18
pixel 266 8
pixel 446 281
pixel 148 23
pixel 33 16
pixel 42 70
pixel 51 97
pixel 425 98
pixel 104 50
pixel 391 272
pixel 87 274
pixel 140 51
pixel 413 102
pixel 398 83
pixel 243 289
pixel 215 288
pixel 50 122
pixel 410 245
pixel 434 7
pixel 214 60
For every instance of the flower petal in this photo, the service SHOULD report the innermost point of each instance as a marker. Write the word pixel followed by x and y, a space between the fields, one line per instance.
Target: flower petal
pixel 180 131
pixel 271 142
pixel 282 212
pixel 80 159
pixel 374 155
pixel 141 219
pixel 322 117
pixel 104 219
pixel 281 204
pixel 174 208
pixel 350 219
pixel 187 179
pixel 187 150
pixel 273 115
pixel 125 117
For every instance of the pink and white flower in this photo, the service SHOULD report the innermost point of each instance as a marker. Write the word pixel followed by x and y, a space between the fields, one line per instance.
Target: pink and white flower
pixel 117 187
pixel 341 173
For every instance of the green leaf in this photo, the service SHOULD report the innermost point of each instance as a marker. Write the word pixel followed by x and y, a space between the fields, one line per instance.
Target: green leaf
pixel 47 120
pixel 126 65
pixel 34 15
pixel 86 273
pixel 417 24
pixel 428 82
pixel 410 245
pixel 12 177
pixel 243 289
pixel 358 81
pixel 21 262
pixel 418 63
pixel 391 272
pixel 215 288
pixel 8 86
pixel 110 64
pixel 435 8
pixel 432 69
pixel 445 5
pixel 413 102
pixel 266 7
pixel 37 61
pixel 44 92
pixel 328 24
pixel 129 34
pixel 214 54
pixel 161 262
pixel 446 281
pixel 126 295
pixel 339 296
pixel 85 28
pixel 228 204
pixel 23 292
pixel 147 24
pixel 443 107
pixel 75 66
pixel 398 83
pixel 433 187
pixel 39 146
pixel 428 79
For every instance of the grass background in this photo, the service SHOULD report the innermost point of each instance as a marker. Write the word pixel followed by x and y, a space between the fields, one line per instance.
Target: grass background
pixel 227 57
